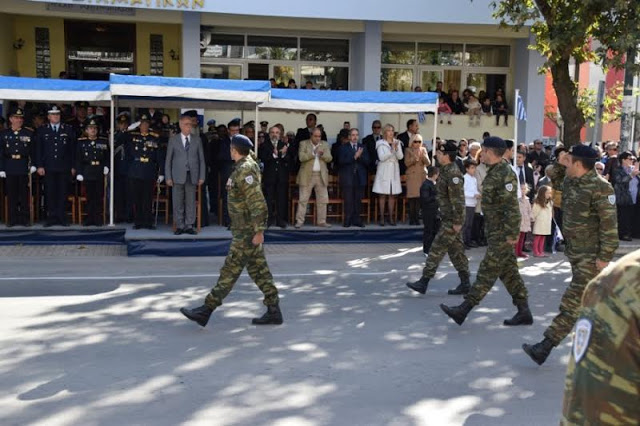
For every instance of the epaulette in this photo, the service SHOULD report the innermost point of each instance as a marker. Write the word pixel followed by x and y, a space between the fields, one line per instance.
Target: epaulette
pixel 154 134
pixel 83 139
pixel 28 128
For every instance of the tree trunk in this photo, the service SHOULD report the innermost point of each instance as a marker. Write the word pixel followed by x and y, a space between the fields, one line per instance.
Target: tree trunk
pixel 566 92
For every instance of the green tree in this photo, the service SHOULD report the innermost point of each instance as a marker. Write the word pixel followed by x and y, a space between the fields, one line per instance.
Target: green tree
pixel 566 29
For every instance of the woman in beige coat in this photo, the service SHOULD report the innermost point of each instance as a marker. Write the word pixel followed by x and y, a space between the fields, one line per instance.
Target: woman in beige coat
pixel 417 160
pixel 387 182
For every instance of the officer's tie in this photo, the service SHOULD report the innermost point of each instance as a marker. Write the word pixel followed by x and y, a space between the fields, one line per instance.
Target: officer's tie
pixel 522 181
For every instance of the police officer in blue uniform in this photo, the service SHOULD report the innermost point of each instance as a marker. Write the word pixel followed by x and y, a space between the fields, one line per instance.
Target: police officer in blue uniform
pixel 16 164
pixel 146 167
pixel 92 157
pixel 55 143
pixel 122 195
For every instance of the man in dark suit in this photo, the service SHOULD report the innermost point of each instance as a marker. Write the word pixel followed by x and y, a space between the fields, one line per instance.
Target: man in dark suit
pixel 304 134
pixel 525 174
pixel 353 168
pixel 276 157
pixel 405 137
pixel 225 164
pixel 538 155
pixel 185 170
pixel 370 144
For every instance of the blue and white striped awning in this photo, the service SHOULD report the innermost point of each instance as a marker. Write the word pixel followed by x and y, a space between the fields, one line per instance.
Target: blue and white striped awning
pixel 53 90
pixel 352 101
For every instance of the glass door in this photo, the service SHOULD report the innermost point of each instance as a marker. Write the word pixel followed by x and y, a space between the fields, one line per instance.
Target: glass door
pixel 221 71
pixel 282 73
pixel 429 78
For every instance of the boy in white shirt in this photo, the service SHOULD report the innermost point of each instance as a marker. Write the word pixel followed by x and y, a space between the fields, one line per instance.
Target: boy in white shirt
pixel 471 196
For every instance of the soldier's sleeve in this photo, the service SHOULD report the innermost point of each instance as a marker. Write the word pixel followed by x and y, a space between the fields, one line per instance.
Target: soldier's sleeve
pixel 249 183
pixel 605 205
pixel 511 209
pixel 455 185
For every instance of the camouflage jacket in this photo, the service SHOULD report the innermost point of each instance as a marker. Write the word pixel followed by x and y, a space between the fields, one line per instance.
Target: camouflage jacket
pixel 450 189
pixel 556 176
pixel 246 203
pixel 589 224
pixel 603 377
pixel 500 203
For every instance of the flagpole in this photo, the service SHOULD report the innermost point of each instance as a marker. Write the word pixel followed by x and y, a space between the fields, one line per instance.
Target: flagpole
pixel 515 126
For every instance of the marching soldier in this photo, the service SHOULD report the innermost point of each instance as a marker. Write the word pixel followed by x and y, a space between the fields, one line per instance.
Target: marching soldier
pixel 146 166
pixel 80 121
pixel 502 219
pixel 92 157
pixel 16 165
pixel 54 158
pixel 450 187
pixel 591 238
pixel 249 215
pixel 122 195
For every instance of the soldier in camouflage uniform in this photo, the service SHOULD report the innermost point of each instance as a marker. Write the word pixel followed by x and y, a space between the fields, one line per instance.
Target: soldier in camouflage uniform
pixel 248 213
pixel 450 187
pixel 591 237
pixel 602 384
pixel 502 224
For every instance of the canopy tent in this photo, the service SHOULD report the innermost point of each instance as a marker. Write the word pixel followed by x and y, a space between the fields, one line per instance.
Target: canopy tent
pixel 53 90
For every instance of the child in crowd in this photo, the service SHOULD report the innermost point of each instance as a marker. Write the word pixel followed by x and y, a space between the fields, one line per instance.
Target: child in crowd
pixel 474 110
pixel 444 109
pixel 486 107
pixel 471 196
pixel 429 205
pixel 542 215
pixel 525 221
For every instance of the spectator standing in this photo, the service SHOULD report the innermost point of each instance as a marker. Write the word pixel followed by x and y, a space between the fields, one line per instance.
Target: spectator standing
pixel 471 196
pixel 417 160
pixel 370 143
pixel 624 174
pixel 525 220
pixel 387 182
pixel 276 157
pixel 304 134
pixel 542 216
pixel 429 206
pixel 354 161
pixel 538 155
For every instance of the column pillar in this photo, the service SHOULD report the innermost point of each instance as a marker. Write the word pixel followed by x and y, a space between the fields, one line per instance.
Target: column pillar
pixel 366 50
pixel 532 90
pixel 190 55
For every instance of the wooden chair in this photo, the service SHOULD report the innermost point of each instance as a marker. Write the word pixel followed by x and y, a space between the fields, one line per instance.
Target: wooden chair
pixel 73 200
pixel 335 200
pixel 82 200
pixel 161 200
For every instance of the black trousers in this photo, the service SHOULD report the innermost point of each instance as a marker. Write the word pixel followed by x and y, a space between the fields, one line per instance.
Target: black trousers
pixel 122 198
pixel 352 197
pixel 477 230
pixel 56 189
pixel 625 220
pixel 142 194
pixel 213 189
pixel 414 211
pixel 18 195
pixel 95 195
pixel 277 197
pixel 431 223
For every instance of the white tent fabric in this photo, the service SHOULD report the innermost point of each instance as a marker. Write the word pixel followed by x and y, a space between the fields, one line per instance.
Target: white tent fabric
pixel 352 101
pixel 53 90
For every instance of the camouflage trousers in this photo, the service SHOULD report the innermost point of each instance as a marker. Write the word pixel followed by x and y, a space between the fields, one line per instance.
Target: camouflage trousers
pixel 583 270
pixel 243 253
pixel 446 241
pixel 499 262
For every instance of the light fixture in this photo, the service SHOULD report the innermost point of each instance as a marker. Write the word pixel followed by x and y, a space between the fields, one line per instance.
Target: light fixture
pixel 174 55
pixel 18 44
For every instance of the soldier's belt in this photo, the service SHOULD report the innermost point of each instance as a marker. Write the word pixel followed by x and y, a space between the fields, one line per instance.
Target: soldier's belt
pixel 16 157
pixel 95 163
pixel 143 160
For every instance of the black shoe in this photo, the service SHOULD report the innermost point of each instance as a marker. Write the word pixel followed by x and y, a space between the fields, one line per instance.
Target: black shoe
pixel 178 231
pixel 457 313
pixel 359 225
pixel 191 231
pixel 381 223
pixel 473 245
pixel 540 351
pixel 420 286
pixel 138 226
pixel 272 316
pixel 48 224
pixel 626 238
pixel 522 317
pixel 152 227
pixel 346 225
pixel 282 225
pixel 200 314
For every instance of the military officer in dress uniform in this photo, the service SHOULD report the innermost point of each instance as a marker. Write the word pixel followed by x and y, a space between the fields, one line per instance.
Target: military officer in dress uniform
pixel 122 195
pixel 54 158
pixel 92 157
pixel 249 215
pixel 146 166
pixel 16 165
pixel 80 121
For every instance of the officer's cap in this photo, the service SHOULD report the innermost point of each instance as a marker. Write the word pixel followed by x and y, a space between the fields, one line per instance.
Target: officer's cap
pixel 82 104
pixel 211 122
pixel 144 117
pixel 264 123
pixel 495 142
pixel 191 113
pixel 241 140
pixel 448 146
pixel 123 119
pixel 584 151
pixel 234 122
pixel 18 112
pixel 54 110
pixel 92 123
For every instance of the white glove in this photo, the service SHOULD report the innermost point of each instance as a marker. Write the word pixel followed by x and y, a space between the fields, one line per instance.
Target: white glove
pixel 80 178
pixel 160 179
pixel 105 170
pixel 32 169
pixel 3 175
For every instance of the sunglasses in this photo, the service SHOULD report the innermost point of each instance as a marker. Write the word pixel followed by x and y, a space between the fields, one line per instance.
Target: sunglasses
pixel 377 127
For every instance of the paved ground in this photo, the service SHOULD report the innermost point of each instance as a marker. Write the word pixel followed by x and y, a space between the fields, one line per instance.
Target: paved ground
pixel 99 341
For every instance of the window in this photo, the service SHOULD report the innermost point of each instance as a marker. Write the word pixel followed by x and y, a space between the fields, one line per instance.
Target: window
pixel 440 54
pixel 43 53
pixel 324 50
pixel 487 56
pixel 488 83
pixel 396 79
pixel 283 74
pixel 225 72
pixel 334 78
pixel 221 45
pixel 400 53
pixel 266 47
pixel 156 55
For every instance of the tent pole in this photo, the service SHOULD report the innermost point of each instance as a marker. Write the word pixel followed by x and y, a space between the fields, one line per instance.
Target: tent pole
pixel 111 160
pixel 435 134
pixel 255 132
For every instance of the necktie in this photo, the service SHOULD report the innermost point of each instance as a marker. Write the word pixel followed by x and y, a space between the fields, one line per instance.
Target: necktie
pixel 521 175
pixel 353 146
pixel 187 145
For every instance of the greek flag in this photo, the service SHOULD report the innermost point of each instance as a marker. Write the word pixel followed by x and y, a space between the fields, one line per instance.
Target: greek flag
pixel 421 117
pixel 521 113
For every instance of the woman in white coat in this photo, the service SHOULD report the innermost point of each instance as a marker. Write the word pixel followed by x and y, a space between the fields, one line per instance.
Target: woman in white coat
pixel 387 183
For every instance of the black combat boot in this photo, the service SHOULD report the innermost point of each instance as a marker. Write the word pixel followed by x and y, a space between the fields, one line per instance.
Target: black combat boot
pixel 464 286
pixel 457 313
pixel 200 314
pixel 420 286
pixel 272 316
pixel 522 317
pixel 540 351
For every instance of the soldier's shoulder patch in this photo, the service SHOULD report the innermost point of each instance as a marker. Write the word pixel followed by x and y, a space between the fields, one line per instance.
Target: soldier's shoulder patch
pixel 249 179
pixel 612 199
pixel 581 338
pixel 509 187
pixel 456 180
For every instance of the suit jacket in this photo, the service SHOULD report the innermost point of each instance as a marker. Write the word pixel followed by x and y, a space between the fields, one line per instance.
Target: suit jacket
pixel 177 157
pixel 302 134
pixel 353 171
pixel 370 143
pixel 528 179
pixel 275 169
pixel 306 157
